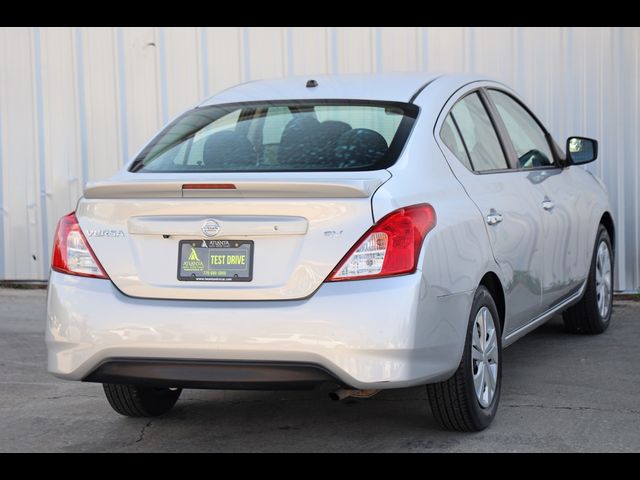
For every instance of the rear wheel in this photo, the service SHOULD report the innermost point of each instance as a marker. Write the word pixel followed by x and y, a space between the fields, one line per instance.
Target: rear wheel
pixel 468 401
pixel 134 401
pixel 592 314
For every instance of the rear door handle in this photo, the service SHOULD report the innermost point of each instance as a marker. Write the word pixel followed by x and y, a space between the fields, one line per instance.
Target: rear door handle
pixel 548 205
pixel 494 217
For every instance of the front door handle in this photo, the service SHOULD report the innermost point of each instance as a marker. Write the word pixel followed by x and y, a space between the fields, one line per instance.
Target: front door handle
pixel 494 217
pixel 548 205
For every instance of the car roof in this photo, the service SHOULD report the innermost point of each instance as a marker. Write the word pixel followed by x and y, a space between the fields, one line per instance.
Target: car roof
pixel 398 87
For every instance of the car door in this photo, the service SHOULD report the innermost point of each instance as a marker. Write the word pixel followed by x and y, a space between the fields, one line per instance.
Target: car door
pixel 505 197
pixel 560 197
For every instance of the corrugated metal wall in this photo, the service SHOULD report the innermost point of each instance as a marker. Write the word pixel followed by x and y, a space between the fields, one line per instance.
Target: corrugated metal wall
pixel 76 102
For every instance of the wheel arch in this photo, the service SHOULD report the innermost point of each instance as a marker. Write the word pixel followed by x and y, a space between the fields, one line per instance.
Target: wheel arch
pixel 492 282
pixel 607 221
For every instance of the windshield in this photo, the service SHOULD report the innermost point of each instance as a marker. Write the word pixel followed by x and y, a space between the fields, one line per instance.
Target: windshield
pixel 324 135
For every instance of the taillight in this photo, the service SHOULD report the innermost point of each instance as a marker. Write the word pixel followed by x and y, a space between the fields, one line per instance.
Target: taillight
pixel 71 251
pixel 391 247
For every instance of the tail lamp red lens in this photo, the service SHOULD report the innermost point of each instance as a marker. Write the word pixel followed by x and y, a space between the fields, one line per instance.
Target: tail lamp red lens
pixel 72 254
pixel 391 247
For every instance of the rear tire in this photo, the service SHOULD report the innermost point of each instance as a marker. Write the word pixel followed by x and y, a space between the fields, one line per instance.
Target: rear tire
pixel 456 403
pixel 134 401
pixel 592 314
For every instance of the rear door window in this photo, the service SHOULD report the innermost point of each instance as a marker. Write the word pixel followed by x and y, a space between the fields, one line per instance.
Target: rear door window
pixel 450 135
pixel 479 136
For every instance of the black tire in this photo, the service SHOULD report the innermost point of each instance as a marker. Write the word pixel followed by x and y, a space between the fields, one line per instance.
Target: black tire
pixel 454 402
pixel 584 316
pixel 134 401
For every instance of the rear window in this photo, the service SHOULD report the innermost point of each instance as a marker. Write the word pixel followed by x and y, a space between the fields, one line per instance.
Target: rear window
pixel 281 136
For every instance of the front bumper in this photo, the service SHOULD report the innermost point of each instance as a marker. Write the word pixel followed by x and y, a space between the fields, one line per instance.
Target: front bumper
pixel 384 333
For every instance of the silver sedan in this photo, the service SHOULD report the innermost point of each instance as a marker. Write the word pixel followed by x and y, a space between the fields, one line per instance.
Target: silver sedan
pixel 370 231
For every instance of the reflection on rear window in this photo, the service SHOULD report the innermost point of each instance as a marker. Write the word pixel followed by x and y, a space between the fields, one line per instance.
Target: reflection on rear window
pixel 281 136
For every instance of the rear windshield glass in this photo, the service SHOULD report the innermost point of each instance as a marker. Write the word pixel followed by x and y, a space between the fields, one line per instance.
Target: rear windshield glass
pixel 281 136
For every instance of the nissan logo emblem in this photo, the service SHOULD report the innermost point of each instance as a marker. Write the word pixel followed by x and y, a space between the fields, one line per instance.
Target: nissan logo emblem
pixel 210 228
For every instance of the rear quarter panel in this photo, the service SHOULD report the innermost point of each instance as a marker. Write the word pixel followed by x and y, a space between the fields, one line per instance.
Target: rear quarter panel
pixel 456 253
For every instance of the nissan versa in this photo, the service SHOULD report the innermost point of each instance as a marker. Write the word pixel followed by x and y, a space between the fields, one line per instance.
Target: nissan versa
pixel 373 231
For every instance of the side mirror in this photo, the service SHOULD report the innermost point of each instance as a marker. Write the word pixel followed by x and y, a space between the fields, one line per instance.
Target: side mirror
pixel 581 150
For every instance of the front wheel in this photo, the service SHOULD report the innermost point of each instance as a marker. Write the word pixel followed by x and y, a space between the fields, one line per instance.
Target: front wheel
pixel 468 401
pixel 592 314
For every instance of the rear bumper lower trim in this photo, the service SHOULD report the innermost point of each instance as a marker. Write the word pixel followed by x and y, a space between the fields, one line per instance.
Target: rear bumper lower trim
pixel 211 374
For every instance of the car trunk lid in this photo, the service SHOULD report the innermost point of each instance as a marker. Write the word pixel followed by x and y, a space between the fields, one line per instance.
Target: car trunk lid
pixel 299 226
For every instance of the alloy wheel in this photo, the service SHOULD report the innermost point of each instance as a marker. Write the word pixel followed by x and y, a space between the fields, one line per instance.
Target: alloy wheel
pixel 603 280
pixel 484 357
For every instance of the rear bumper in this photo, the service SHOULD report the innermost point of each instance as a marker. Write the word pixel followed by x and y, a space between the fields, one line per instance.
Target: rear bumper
pixel 383 333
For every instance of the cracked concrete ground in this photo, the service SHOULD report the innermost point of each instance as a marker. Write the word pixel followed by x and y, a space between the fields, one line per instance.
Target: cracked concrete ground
pixel 561 392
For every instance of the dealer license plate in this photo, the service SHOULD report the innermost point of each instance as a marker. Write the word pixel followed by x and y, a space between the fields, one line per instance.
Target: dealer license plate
pixel 215 260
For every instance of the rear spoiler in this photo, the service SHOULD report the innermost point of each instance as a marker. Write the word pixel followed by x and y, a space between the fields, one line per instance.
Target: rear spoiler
pixel 284 188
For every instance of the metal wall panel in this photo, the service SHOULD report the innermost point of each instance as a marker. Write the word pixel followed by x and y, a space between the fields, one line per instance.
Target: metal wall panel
pixel 75 103
pixel 309 50
pixel 20 141
pixel 97 84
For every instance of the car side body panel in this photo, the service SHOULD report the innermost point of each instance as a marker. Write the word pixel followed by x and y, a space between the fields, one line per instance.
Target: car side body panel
pixel 570 230
pixel 577 202
pixel 516 242
pixel 557 254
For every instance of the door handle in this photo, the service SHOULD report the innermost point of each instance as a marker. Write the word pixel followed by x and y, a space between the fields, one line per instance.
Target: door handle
pixel 548 205
pixel 494 217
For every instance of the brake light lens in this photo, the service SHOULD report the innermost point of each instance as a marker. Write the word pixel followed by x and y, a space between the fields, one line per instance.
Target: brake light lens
pixel 391 247
pixel 71 251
